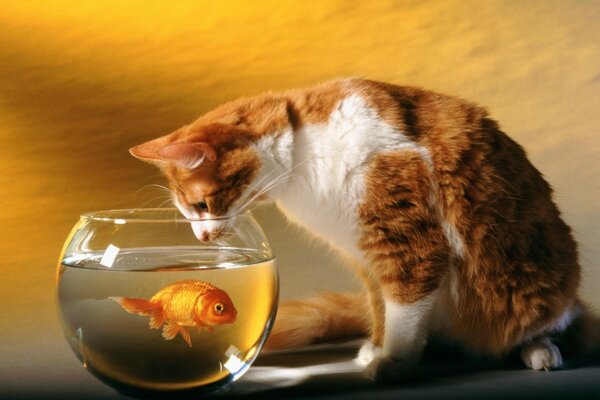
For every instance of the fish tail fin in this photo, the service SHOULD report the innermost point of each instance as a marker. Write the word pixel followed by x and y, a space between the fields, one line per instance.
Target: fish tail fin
pixel 142 307
pixel 326 316
pixel 171 330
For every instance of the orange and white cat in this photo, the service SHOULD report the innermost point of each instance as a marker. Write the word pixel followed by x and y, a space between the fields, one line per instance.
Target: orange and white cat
pixel 452 229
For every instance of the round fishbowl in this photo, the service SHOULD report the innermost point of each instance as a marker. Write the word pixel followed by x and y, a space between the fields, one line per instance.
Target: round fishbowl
pixel 149 307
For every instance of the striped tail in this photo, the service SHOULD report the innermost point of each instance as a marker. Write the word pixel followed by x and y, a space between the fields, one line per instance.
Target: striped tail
pixel 324 317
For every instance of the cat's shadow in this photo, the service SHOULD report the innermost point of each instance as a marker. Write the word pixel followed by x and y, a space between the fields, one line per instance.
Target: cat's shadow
pixel 330 369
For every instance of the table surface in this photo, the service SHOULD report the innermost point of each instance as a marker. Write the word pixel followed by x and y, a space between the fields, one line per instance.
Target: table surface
pixel 45 368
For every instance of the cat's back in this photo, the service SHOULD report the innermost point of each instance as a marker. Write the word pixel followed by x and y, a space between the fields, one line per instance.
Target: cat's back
pixel 449 128
pixel 468 154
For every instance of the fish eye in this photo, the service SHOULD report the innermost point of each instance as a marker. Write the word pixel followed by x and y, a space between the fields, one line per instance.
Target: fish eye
pixel 219 308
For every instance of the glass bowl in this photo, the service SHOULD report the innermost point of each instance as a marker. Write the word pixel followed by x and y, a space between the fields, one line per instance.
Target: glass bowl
pixel 148 307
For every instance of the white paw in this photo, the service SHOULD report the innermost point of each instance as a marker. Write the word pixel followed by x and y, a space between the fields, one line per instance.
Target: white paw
pixel 390 370
pixel 367 353
pixel 541 354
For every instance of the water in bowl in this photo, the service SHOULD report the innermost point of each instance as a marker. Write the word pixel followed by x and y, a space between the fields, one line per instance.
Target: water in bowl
pixel 122 349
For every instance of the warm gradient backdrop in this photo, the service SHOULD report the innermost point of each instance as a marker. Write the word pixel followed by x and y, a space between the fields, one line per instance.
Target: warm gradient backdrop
pixel 82 81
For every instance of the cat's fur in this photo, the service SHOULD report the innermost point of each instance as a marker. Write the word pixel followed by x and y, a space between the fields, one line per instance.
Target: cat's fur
pixel 452 229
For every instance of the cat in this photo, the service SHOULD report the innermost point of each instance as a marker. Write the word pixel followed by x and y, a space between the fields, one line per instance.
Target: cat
pixel 453 231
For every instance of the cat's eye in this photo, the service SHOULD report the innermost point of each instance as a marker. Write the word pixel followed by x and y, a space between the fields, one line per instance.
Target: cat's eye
pixel 202 206
pixel 219 308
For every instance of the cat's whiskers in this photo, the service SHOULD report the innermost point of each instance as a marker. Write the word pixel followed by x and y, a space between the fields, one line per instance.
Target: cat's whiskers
pixel 272 184
pixel 254 195
pixel 153 186
pixel 251 207
pixel 251 199
pixel 256 185
pixel 158 198
pixel 165 194
pixel 284 176
pixel 169 200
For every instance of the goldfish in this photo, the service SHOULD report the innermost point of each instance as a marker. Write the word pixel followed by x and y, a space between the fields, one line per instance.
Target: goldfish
pixel 182 305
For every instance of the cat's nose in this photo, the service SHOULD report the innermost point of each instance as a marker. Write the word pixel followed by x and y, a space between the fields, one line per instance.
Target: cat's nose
pixel 205 237
pixel 204 230
pixel 199 231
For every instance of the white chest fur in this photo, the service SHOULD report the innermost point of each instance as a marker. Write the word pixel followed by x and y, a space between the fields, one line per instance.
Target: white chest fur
pixel 329 166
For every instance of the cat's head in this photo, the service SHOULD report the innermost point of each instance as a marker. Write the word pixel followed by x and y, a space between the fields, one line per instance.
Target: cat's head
pixel 209 168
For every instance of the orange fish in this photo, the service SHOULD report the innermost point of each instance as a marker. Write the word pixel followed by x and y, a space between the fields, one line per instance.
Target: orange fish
pixel 182 305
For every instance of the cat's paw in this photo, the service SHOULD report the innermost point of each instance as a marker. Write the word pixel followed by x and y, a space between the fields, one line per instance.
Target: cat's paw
pixel 541 354
pixel 367 353
pixel 390 370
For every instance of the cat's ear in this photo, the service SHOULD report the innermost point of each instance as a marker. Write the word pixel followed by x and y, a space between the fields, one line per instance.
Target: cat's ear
pixel 184 154
pixel 188 155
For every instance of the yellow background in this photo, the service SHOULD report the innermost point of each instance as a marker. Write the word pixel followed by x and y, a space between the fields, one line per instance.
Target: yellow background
pixel 82 81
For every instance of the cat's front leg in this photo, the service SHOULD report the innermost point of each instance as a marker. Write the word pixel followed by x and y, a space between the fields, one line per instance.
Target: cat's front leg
pixel 406 331
pixel 407 327
pixel 372 348
pixel 409 254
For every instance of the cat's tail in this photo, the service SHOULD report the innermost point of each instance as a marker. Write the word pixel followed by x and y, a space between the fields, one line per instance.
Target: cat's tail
pixel 324 317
